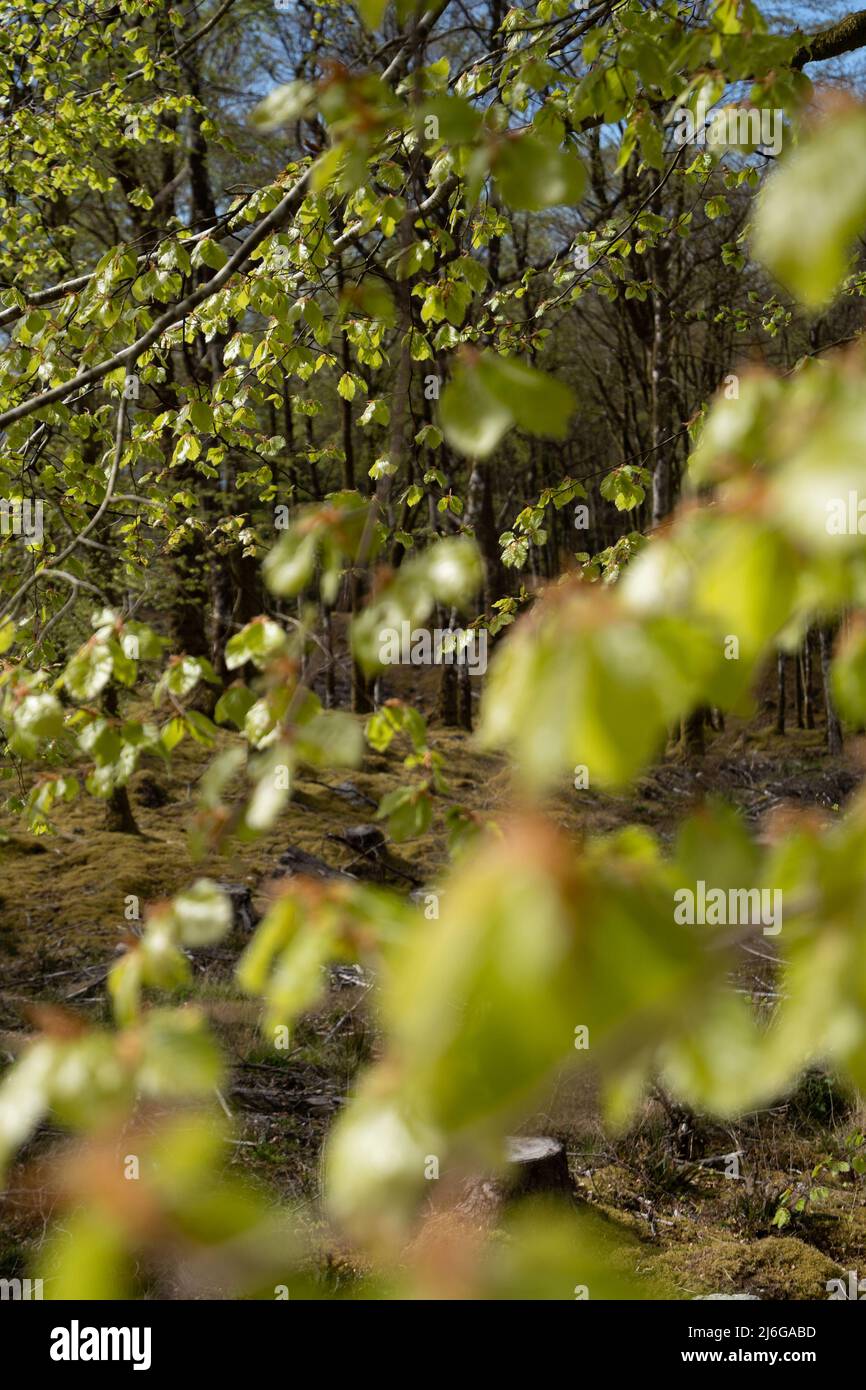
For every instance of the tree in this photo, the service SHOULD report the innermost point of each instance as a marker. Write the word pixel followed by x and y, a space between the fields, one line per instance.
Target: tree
pixel 458 234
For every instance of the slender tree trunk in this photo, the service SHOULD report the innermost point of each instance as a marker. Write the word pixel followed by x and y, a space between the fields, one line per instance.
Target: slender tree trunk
pixel 834 727
pixel 661 393
pixel 780 693
pixel 447 708
pixel 401 391
pixel 464 698
pixel 345 405
pixel 118 810
pixel 808 695
pixel 693 734
pixel 480 516
pixel 330 667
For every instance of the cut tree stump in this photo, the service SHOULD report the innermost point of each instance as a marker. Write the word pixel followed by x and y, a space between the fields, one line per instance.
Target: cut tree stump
pixel 535 1165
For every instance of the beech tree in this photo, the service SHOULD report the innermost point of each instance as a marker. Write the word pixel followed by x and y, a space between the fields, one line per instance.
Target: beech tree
pixel 347 311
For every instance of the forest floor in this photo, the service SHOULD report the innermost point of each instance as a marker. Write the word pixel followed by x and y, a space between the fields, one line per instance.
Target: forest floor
pixel 693 1229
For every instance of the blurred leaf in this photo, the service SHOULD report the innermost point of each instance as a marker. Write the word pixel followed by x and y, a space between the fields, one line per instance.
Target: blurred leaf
pixel 813 208
pixel 532 174
pixel 490 393
pixel 89 671
pixel 290 102
pixel 203 914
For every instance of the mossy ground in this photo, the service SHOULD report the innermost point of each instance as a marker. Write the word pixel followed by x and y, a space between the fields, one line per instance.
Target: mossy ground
pixel 62 898
pixel 705 1232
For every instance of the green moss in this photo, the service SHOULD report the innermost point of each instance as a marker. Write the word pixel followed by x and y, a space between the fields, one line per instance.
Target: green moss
pixel 707 1259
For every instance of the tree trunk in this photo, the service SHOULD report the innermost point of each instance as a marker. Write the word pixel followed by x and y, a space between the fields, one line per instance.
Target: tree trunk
pixel 780 693
pixel 464 698
pixel 693 734
pixel 661 392
pixel 345 405
pixel 118 811
pixel 362 690
pixel 808 697
pixel 330 667
pixel 480 516
pixel 834 727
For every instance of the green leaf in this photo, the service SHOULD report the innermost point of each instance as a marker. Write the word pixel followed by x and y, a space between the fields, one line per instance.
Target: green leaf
pixel 449 572
pixel 381 727
pixel 490 393
pixel 233 705
pixel 473 421
pixel 172 733
pixel 408 811
pixel 125 983
pixel 288 568
pixel 451 119
pixel 256 642
pixel 40 715
pixel 89 671
pixel 621 488
pixel 374 1156
pixel 371 11
pixel 273 775
pixel 716 207
pixel 209 253
pixel 566 688
pixel 430 436
pixel 202 729
pixel 290 102
pixel 813 208
pixel 201 416
pixel 332 739
pixel 179 1056
pixel 538 402
pixel 533 175
pixel 25 1097
pixel 124 669
pixel 849 675
pixel 202 914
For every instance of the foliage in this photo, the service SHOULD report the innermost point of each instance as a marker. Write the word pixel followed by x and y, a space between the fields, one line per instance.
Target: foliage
pixel 142 386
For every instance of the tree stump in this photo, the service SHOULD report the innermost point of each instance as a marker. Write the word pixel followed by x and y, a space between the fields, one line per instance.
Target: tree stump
pixel 535 1165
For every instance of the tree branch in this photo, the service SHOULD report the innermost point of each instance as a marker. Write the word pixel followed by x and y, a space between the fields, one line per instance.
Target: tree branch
pixel 51 569
pixel 398 65
pixel 844 37
pixel 174 315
